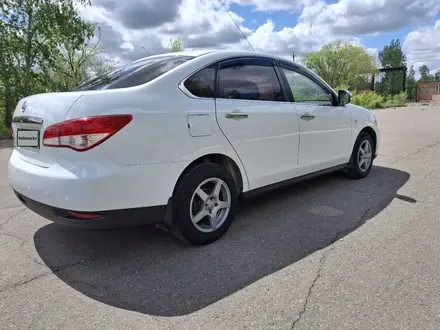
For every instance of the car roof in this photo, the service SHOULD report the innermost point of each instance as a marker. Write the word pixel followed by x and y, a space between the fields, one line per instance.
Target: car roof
pixel 220 53
pixel 215 55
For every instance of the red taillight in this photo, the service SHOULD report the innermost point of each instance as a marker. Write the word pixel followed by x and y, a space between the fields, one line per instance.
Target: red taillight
pixel 84 133
pixel 84 216
pixel 12 130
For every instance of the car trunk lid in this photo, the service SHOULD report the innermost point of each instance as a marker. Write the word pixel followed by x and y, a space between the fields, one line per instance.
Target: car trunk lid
pixel 32 116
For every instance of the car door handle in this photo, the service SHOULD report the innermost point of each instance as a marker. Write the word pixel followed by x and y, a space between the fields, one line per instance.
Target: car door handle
pixel 236 115
pixel 307 116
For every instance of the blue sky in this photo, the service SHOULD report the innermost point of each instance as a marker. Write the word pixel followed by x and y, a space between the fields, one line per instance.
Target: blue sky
pixel 287 18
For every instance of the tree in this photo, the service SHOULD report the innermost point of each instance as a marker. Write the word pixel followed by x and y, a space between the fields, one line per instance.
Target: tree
pixel 73 66
pixel 32 33
pixel 392 56
pixel 341 63
pixel 437 76
pixel 425 76
pixel 411 83
pixel 175 45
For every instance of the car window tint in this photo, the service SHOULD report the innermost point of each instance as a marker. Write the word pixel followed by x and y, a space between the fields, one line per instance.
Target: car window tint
pixel 135 74
pixel 249 82
pixel 201 84
pixel 305 89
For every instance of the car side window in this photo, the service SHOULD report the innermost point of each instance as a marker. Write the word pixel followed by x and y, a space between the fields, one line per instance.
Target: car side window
pixel 249 82
pixel 305 89
pixel 201 84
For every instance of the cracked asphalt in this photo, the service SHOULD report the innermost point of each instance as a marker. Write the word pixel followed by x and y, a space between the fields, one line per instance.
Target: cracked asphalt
pixel 330 253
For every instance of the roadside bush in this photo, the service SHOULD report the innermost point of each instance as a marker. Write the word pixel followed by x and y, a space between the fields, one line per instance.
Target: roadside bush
pixel 398 100
pixel 372 100
pixel 369 100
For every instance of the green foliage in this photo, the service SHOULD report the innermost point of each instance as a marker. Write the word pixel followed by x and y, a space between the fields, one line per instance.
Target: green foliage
pixel 391 56
pixel 397 100
pixel 411 84
pixel 341 63
pixel 369 100
pixel 74 66
pixel 175 45
pixel 338 88
pixel 375 101
pixel 4 131
pixel 33 34
pixel 425 75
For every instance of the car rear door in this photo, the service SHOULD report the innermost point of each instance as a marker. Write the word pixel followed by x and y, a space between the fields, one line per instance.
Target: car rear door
pixel 325 129
pixel 257 118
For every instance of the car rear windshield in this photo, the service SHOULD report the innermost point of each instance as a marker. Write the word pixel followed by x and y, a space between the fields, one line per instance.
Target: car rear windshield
pixel 135 74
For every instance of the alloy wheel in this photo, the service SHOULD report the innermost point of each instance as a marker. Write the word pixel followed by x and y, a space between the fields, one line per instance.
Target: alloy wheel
pixel 365 155
pixel 210 205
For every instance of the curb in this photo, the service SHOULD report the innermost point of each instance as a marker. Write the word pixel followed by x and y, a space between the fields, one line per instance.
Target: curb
pixel 3 138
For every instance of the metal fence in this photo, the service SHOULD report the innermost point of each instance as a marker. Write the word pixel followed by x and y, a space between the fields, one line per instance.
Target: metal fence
pixel 389 81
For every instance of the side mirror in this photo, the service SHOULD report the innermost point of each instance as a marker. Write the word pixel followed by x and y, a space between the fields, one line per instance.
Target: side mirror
pixel 344 97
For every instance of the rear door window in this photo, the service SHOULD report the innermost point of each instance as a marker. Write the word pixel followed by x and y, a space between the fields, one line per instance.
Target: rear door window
pixel 249 80
pixel 201 84
pixel 135 74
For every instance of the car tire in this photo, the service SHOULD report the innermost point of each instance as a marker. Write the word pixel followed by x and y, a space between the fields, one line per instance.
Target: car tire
pixel 361 160
pixel 202 214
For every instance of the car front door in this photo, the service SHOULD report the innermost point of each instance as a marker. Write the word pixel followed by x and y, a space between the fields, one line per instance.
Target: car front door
pixel 325 129
pixel 258 119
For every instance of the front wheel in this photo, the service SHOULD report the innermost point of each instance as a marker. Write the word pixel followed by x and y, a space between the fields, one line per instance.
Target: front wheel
pixel 361 160
pixel 205 201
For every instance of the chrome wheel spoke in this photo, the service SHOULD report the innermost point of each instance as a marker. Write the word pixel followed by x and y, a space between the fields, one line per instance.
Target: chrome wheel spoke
pixel 213 221
pixel 202 194
pixel 199 216
pixel 217 189
pixel 224 205
pixel 362 151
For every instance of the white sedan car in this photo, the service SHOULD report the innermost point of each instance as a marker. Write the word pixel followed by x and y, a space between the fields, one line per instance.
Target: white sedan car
pixel 177 139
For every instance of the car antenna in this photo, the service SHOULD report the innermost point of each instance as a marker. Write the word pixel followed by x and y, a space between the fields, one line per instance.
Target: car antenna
pixel 240 30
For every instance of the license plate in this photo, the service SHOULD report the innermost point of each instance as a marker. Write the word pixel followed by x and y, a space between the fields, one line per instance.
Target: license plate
pixel 28 138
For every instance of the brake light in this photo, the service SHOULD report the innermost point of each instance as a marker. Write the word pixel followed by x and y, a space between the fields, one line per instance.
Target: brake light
pixel 84 133
pixel 12 130
pixel 83 216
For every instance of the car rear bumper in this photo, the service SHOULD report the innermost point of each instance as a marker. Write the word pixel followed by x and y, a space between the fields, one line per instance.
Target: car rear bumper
pixel 107 220
pixel 93 183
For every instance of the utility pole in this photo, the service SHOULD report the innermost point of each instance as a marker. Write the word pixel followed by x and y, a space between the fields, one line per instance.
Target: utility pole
pixel 293 56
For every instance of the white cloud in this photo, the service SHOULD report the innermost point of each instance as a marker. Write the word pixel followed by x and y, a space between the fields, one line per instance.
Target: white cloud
pixel 130 27
pixel 422 46
pixel 268 5
pixel 363 17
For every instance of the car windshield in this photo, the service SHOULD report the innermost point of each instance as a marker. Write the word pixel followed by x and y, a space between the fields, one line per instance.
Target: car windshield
pixel 135 74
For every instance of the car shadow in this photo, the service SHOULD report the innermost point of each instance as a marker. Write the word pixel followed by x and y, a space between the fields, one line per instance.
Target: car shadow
pixel 148 271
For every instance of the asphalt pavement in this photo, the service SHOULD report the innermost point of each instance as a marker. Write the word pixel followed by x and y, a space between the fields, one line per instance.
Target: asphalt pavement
pixel 330 253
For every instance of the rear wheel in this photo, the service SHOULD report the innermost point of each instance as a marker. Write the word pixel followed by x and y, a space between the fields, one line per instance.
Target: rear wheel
pixel 205 201
pixel 361 160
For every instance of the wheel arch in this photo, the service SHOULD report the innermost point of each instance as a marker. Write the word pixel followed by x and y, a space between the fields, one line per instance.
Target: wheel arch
pixel 220 159
pixel 371 132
